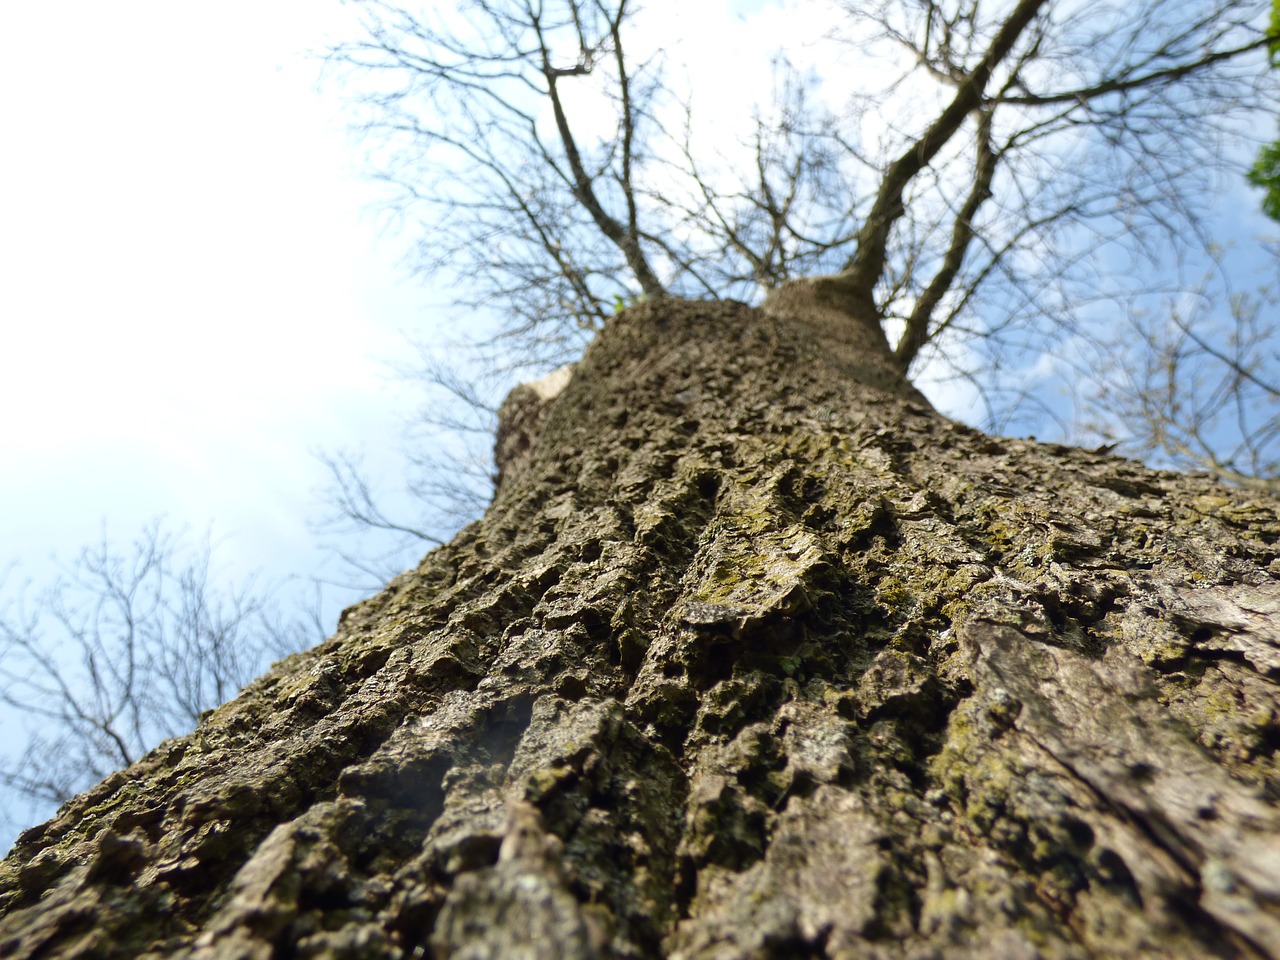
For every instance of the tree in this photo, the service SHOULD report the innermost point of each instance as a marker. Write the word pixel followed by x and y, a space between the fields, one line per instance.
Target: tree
pixel 1265 172
pixel 529 138
pixel 1054 162
pixel 125 648
pixel 754 654
pixel 1198 388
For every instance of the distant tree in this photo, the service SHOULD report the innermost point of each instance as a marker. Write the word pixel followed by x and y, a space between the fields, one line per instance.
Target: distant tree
pixel 126 647
pixel 1194 383
pixel 1265 172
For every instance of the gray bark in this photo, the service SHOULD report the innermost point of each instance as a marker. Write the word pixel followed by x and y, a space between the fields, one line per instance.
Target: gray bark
pixel 754 655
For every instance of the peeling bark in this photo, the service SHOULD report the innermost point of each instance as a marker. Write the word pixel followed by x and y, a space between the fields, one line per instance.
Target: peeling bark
pixel 754 655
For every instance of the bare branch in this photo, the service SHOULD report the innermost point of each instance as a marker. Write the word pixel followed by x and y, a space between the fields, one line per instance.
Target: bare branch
pixel 124 649
pixel 867 264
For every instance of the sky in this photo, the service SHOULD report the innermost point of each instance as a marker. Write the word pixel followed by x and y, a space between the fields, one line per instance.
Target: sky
pixel 195 296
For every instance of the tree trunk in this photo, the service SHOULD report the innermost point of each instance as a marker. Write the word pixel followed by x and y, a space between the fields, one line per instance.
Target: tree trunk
pixel 754 655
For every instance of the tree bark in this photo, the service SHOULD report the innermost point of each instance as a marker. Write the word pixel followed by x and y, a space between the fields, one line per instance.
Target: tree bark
pixel 754 655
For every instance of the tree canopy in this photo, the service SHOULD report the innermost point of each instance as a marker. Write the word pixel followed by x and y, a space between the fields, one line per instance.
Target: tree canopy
pixel 1265 172
pixel 1026 194
pixel 542 145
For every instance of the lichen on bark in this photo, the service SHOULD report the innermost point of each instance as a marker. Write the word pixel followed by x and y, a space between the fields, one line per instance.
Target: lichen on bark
pixel 754 655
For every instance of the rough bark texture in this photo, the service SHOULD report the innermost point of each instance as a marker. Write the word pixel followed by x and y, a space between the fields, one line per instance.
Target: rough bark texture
pixel 754 655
